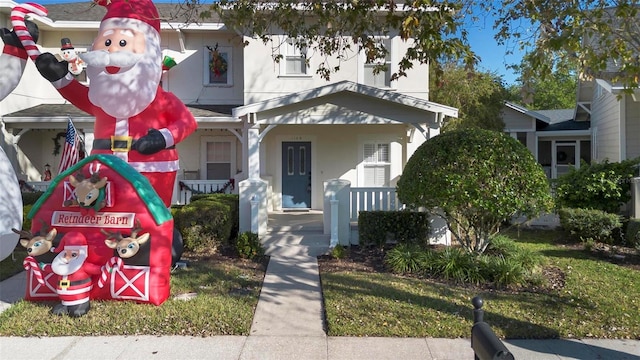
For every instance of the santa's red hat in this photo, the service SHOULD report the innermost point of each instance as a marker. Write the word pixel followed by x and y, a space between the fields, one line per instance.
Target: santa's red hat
pixel 72 241
pixel 142 10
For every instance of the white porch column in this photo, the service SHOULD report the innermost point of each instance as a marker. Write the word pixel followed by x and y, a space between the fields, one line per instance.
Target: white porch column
pixel 253 147
pixel 253 206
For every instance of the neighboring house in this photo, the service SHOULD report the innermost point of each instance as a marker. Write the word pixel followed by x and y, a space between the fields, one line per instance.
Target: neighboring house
pixel 555 137
pixel 605 125
pixel 277 124
pixel 615 120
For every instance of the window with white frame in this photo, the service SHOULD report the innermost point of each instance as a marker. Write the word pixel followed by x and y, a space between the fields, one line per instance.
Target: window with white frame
pixel 294 58
pixel 383 78
pixel 219 158
pixel 377 164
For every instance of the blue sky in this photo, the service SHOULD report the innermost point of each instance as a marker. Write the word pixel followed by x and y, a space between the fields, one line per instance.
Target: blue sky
pixel 493 57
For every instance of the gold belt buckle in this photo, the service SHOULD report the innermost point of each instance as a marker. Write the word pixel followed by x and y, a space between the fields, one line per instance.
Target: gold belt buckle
pixel 64 284
pixel 127 139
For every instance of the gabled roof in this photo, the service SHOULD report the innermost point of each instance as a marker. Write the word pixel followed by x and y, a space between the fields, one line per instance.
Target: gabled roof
pixel 556 116
pixel 525 111
pixel 346 86
pixel 139 183
pixel 552 120
pixel 547 116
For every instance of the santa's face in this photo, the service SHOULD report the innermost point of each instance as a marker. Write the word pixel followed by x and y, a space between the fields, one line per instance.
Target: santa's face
pixel 68 261
pixel 124 70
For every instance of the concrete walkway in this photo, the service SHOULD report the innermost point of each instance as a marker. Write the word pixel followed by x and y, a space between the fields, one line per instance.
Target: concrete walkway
pixel 288 322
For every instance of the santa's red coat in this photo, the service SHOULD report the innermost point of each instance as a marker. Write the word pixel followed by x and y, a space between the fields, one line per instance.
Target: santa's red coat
pixel 74 289
pixel 166 113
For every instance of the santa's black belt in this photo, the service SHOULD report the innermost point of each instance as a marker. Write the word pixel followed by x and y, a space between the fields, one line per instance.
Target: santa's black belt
pixel 117 144
pixel 67 283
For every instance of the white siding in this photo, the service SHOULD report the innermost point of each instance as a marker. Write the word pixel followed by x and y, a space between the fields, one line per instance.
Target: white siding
pixel 517 121
pixel 262 78
pixel 186 79
pixel 605 116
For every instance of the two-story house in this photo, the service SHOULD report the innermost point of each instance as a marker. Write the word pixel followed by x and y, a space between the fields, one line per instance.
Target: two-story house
pixel 277 123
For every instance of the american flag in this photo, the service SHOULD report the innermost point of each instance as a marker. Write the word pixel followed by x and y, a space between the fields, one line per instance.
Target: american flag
pixel 71 151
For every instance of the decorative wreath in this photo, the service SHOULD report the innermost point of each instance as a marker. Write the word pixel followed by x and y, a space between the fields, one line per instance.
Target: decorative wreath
pixel 562 156
pixel 217 64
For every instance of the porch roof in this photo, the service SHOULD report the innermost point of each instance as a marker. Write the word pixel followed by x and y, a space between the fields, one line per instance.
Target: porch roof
pixel 55 115
pixel 372 93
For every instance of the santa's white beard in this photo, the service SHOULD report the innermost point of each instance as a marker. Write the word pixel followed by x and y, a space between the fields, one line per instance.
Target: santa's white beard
pixel 128 92
pixel 61 267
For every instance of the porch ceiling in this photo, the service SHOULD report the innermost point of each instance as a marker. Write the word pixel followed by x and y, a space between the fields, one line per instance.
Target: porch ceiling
pixel 344 103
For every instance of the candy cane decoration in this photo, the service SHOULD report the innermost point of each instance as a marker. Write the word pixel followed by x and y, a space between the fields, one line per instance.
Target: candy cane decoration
pixel 113 263
pixel 20 28
pixel 31 263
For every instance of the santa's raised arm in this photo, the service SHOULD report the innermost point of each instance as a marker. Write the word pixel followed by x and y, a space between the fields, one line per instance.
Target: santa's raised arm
pixel 136 119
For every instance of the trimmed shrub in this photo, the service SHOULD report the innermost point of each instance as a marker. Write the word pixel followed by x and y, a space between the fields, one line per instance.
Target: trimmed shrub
pixel 601 186
pixel 588 224
pixel 26 223
pixel 477 179
pixel 379 227
pixel 208 222
pixel 632 235
pixel 248 246
pixel 30 198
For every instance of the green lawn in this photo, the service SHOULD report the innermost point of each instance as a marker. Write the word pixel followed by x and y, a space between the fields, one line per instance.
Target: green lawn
pixel 600 300
pixel 13 264
pixel 227 294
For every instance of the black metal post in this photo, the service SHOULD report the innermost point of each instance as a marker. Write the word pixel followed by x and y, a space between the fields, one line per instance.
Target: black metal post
pixel 484 342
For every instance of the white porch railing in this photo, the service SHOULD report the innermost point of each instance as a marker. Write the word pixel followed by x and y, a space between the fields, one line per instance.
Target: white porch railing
pixel 187 188
pixel 373 198
pixel 35 185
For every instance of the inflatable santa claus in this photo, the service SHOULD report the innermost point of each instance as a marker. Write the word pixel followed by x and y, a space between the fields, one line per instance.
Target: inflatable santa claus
pixel 74 275
pixel 136 120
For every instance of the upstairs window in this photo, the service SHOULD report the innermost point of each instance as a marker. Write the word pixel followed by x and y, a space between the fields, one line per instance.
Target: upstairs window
pixel 383 78
pixel 294 58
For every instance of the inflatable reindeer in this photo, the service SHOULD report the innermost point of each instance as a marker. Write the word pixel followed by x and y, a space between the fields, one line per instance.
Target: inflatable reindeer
pixel 89 193
pixel 128 246
pixel 36 245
